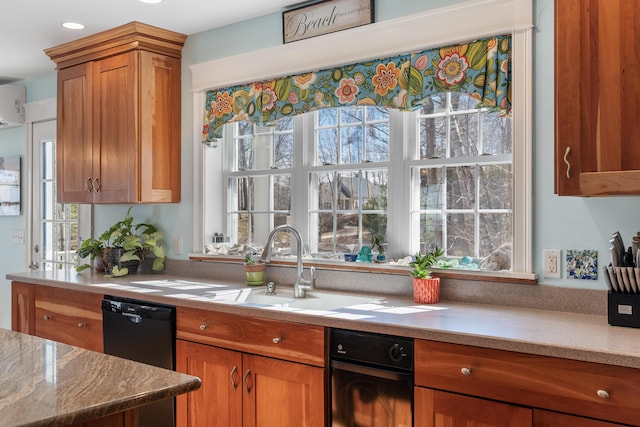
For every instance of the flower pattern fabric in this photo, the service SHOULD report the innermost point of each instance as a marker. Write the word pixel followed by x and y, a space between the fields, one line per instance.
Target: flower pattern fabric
pixel 481 69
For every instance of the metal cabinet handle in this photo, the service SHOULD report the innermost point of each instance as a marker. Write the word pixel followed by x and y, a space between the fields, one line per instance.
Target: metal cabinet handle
pixel 604 394
pixel 566 154
pixel 203 326
pixel 46 317
pixel 81 324
pixel 246 383
pixel 96 184
pixel 466 371
pixel 232 375
pixel 89 185
pixel 277 340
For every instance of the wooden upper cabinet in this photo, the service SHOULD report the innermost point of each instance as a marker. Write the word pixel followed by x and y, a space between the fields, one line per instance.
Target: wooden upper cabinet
pixel 119 116
pixel 596 97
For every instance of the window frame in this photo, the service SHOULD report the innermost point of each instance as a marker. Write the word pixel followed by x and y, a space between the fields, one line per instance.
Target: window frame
pixel 514 16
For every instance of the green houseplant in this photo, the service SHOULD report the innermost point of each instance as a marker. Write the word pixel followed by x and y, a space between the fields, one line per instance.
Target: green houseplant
pixel 124 246
pixel 426 289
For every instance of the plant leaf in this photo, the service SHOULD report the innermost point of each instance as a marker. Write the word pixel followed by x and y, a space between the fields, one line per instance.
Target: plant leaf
pixel 117 271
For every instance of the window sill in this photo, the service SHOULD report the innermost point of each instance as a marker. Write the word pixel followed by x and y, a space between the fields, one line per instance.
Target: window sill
pixel 385 268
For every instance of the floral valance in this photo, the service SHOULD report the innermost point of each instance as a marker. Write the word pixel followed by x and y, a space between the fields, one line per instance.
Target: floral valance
pixel 480 68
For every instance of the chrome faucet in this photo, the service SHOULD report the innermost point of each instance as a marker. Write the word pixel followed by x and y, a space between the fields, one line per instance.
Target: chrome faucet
pixel 301 286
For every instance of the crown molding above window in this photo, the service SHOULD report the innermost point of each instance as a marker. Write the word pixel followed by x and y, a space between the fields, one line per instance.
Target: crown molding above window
pixel 433 28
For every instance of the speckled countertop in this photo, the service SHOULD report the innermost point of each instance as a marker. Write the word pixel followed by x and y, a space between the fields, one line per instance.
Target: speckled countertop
pixel 43 382
pixel 586 337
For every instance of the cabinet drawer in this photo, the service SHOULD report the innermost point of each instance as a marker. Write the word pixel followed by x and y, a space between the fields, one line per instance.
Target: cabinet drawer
pixel 70 317
pixel 283 340
pixel 583 388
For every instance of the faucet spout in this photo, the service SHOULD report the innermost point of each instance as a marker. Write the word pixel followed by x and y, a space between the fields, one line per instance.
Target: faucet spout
pixel 301 286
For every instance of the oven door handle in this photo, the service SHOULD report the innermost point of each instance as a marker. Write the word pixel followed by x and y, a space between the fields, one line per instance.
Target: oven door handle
pixel 373 372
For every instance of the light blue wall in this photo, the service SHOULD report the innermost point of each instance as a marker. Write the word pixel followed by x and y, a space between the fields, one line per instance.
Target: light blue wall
pixel 558 222
pixel 12 256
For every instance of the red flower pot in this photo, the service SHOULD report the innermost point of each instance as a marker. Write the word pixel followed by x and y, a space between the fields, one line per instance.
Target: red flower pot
pixel 426 291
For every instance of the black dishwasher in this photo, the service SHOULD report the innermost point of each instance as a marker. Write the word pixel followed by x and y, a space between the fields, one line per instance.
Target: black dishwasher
pixel 144 332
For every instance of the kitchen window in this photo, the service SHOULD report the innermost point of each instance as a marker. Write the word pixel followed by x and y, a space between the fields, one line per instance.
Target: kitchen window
pixel 458 199
pixel 458 195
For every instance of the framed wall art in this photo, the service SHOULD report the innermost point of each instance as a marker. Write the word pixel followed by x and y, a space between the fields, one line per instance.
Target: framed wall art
pixel 9 185
pixel 325 17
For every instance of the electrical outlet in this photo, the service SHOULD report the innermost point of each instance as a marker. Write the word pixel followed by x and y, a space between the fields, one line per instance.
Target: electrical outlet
pixel 552 263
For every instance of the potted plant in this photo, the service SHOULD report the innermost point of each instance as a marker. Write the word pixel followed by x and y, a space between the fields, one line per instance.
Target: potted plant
pixel 426 289
pixel 124 246
pixel 254 270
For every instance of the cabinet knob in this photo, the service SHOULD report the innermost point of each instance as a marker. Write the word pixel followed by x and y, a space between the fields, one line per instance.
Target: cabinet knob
pixel 276 340
pixel 603 394
pixel 203 326
pixel 46 317
pixel 81 324
pixel 466 371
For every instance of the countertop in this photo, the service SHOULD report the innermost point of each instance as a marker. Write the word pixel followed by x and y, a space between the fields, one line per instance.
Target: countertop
pixel 575 336
pixel 43 382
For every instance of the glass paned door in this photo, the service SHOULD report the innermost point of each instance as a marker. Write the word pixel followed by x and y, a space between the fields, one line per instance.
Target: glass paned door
pixel 56 228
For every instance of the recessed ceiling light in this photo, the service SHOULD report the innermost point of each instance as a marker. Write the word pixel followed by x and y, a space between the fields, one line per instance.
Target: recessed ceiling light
pixel 73 25
pixel 151 1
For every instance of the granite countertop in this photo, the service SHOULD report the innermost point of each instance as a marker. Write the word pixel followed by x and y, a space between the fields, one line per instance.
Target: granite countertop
pixel 43 382
pixel 585 337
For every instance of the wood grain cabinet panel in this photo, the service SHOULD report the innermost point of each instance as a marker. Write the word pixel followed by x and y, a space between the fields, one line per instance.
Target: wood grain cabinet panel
pixel 435 408
pixel 554 419
pixel 582 388
pixel 118 136
pixel 295 342
pixel 246 390
pixel 596 97
pixel 63 315
pixel 23 307
pixel 70 317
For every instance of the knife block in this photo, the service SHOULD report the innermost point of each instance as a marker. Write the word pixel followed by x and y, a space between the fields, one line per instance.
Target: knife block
pixel 623 309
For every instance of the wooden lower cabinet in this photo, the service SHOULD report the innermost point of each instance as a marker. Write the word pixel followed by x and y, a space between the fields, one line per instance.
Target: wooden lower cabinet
pixel 240 389
pixel 63 315
pixel 434 408
pixel 552 419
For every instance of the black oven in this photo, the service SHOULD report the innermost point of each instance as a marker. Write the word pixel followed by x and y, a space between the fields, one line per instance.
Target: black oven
pixel 371 379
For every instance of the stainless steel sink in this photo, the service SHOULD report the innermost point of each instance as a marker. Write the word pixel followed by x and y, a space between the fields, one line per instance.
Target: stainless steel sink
pixel 314 300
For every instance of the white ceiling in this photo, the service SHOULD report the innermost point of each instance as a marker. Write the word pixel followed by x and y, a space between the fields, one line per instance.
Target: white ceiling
pixel 27 27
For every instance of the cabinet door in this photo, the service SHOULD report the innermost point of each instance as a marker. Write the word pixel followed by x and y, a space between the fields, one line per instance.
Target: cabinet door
pixel 159 128
pixel 22 308
pixel 279 393
pixel 440 409
pixel 554 419
pixel 596 97
pixel 115 128
pixel 218 402
pixel 74 143
pixel 70 317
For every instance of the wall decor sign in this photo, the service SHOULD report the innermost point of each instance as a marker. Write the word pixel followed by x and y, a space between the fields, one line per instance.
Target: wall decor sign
pixel 325 17
pixel 10 185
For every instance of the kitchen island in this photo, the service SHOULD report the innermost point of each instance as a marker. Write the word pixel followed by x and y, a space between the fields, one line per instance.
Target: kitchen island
pixel 43 382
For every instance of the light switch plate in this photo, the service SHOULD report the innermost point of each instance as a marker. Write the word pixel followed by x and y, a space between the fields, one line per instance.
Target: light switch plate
pixel 17 237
